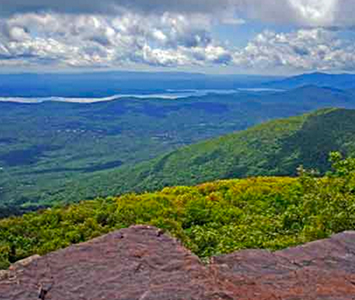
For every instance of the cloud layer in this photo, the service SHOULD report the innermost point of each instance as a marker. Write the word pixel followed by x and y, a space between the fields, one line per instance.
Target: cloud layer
pixel 122 33
pixel 302 12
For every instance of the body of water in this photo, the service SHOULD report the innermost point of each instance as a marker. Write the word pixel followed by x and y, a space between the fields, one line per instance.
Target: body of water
pixel 169 94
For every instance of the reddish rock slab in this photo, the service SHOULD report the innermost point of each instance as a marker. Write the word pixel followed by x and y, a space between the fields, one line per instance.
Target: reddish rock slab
pixel 141 263
pixel 319 270
pixel 136 263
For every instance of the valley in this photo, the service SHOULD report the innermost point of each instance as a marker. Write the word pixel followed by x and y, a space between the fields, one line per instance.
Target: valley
pixel 48 148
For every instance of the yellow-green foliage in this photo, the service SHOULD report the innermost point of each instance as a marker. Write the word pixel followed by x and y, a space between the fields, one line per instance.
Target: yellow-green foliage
pixel 210 219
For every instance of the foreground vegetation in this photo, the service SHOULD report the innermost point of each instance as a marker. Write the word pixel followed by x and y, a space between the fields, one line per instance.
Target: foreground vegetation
pixel 212 218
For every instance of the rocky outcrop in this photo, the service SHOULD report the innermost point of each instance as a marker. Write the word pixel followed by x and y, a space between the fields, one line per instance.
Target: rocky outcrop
pixel 142 263
pixel 319 270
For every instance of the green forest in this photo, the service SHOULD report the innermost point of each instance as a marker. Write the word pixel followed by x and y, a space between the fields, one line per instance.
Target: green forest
pixel 274 148
pixel 211 218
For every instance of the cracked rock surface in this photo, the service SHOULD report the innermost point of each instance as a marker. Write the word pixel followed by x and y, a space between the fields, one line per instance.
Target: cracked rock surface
pixel 141 263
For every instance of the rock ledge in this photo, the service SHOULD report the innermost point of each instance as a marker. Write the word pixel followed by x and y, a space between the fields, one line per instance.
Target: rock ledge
pixel 142 263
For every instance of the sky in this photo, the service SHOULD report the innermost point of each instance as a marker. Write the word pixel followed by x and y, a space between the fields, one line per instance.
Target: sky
pixel 275 37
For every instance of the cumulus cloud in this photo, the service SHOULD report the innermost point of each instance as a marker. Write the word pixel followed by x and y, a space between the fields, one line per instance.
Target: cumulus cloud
pixel 100 41
pixel 302 50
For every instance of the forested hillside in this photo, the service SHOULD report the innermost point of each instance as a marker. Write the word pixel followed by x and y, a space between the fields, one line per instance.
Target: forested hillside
pixel 274 148
pixel 212 218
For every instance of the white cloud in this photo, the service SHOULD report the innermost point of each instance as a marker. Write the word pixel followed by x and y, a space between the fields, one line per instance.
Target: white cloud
pixel 99 41
pixel 302 50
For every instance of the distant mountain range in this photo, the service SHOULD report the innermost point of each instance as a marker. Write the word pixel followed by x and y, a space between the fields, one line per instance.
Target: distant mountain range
pixel 339 81
pixel 106 84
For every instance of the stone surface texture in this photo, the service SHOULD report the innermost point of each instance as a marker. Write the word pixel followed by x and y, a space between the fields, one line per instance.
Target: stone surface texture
pixel 142 263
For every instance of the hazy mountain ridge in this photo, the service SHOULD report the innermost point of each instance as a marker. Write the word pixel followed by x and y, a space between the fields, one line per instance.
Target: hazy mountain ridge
pixel 105 84
pixel 339 81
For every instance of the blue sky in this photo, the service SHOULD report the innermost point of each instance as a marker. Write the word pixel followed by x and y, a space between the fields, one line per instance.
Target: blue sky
pixel 213 36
